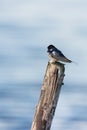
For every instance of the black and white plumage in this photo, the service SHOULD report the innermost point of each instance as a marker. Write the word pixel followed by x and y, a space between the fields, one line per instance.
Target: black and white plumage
pixel 56 55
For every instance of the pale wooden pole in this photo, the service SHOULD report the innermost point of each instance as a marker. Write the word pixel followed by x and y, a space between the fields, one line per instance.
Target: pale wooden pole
pixel 53 80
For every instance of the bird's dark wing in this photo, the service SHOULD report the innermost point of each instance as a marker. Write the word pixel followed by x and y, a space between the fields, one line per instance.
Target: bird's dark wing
pixel 58 55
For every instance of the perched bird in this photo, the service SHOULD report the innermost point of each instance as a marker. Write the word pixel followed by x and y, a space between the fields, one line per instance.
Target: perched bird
pixel 56 55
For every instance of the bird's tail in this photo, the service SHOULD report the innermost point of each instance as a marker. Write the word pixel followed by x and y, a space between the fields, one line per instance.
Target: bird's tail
pixel 66 60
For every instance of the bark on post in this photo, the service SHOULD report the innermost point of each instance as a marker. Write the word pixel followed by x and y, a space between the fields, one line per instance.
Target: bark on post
pixel 53 80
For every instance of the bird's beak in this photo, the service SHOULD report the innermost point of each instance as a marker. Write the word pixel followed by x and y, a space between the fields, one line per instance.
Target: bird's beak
pixel 47 50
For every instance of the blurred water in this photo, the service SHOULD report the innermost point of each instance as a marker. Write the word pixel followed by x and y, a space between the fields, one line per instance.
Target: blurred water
pixel 21 78
pixel 16 106
pixel 26 29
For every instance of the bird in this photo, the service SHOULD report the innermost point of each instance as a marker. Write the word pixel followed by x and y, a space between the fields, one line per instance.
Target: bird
pixel 56 55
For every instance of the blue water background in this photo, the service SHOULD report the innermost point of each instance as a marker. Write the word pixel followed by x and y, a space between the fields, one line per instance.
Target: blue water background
pixel 26 29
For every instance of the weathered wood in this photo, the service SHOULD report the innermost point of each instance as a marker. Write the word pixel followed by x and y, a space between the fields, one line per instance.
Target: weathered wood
pixel 53 80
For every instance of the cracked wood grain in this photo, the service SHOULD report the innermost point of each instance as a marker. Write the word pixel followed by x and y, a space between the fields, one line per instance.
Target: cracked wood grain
pixel 45 110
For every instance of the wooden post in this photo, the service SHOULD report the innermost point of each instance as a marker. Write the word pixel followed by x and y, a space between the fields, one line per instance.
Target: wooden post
pixel 53 80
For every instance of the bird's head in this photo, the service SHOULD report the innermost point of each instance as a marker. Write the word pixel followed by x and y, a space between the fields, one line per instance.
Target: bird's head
pixel 50 48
